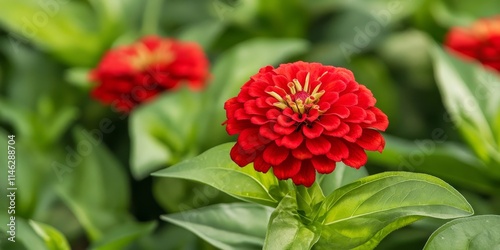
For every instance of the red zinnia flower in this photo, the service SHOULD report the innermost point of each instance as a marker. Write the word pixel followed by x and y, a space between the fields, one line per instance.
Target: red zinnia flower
pixel 481 41
pixel 301 118
pixel 133 74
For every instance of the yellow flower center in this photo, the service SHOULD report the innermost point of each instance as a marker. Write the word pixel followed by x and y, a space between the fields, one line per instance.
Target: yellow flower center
pixel 299 98
pixel 146 57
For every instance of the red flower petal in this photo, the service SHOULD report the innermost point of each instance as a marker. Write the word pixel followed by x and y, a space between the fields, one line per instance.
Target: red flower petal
pixel 313 131
pixel 287 169
pixel 318 146
pixel 371 140
pixel 267 132
pixel 240 156
pixel 356 114
pixel 329 122
pixel 338 151
pixel 274 154
pixel 341 131
pixel 348 99
pixel 260 165
pixel 306 176
pixel 302 152
pixel 323 164
pixel 382 122
pixel 357 156
pixel 283 130
pixel 250 139
pixel 355 132
pixel 292 140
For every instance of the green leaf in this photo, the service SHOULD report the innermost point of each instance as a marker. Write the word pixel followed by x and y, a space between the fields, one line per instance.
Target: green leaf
pixel 204 33
pixel 175 195
pixel 342 175
pixel 123 235
pixel 54 240
pixel 233 69
pixel 163 131
pixel 435 157
pixel 287 230
pixel 361 214
pixel 226 226
pixel 25 235
pixel 215 168
pixel 95 186
pixel 308 198
pixel 57 26
pixel 477 232
pixel 471 95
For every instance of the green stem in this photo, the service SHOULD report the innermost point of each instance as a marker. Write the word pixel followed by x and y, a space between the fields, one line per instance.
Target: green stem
pixel 151 17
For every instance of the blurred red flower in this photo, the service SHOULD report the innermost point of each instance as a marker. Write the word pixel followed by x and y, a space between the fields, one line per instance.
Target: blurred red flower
pixel 480 41
pixel 130 75
pixel 301 118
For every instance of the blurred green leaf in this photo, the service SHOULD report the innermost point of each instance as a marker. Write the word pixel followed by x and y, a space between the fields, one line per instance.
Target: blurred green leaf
pixel 26 238
pixel 373 73
pixel 50 27
pixel 286 229
pixel 283 18
pixel 163 131
pixel 226 226
pixel 445 160
pixel 477 232
pixel 471 95
pixel 122 235
pixel 95 186
pixel 169 237
pixel 215 168
pixel 204 33
pixel 175 195
pixel 233 69
pixel 342 176
pixel 361 214
pixel 54 240
pixel 451 13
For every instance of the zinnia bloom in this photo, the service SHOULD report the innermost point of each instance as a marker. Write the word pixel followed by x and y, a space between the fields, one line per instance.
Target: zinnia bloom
pixel 481 41
pixel 301 118
pixel 130 75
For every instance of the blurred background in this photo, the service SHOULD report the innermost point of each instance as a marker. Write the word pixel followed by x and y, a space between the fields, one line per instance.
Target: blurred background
pixel 83 168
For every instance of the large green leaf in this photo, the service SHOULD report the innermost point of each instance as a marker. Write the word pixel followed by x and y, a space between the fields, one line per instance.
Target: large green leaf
pixel 94 186
pixel 475 233
pixel 471 95
pixel 215 168
pixel 361 214
pixel 54 240
pixel 226 226
pixel 163 132
pixel 287 230
pixel 233 69
pixel 342 175
pixel 451 162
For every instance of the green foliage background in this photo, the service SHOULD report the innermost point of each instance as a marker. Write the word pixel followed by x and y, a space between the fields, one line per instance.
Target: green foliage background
pixel 105 198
